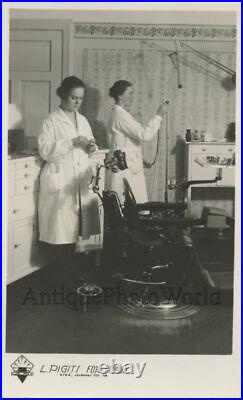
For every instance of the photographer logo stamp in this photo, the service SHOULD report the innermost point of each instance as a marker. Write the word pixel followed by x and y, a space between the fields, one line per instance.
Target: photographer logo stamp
pixel 22 368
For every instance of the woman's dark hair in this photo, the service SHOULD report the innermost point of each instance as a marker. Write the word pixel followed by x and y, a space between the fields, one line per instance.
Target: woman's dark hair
pixel 69 83
pixel 118 89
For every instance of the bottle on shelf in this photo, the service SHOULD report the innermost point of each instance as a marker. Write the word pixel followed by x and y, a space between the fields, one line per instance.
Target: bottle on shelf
pixel 195 135
pixel 188 135
pixel 202 137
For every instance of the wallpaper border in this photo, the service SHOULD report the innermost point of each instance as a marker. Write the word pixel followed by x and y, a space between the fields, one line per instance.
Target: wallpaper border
pixel 147 31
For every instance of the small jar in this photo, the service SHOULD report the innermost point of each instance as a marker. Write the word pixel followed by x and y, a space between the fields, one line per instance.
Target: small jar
pixel 188 135
pixel 195 136
pixel 202 138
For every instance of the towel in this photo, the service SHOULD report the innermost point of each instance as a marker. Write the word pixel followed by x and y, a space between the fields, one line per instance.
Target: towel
pixel 90 218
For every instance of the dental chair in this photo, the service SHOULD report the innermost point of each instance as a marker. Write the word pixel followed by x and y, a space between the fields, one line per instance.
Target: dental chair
pixel 137 250
pixel 144 241
pixel 148 246
pixel 151 247
pixel 168 222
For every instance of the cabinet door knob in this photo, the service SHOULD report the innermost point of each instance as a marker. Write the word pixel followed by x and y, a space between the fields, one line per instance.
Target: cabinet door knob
pixel 15 210
pixel 26 187
pixel 26 175
pixel 26 166
pixel 16 245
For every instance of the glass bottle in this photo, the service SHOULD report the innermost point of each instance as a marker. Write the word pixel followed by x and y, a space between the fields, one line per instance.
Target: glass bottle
pixel 188 135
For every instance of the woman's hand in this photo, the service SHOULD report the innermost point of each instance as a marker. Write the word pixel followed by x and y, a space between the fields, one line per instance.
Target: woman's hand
pixel 91 146
pixel 163 108
pixel 80 141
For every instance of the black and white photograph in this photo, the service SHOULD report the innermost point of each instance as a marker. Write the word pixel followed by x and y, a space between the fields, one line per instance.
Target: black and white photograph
pixel 121 139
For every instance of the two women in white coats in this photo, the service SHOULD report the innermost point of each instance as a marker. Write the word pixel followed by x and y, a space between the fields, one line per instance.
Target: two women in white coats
pixel 65 142
pixel 126 134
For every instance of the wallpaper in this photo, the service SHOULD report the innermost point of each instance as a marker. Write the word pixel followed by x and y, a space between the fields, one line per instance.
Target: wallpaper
pixel 206 101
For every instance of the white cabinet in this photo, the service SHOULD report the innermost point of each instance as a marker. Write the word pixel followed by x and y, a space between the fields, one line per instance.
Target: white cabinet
pixel 23 246
pixel 25 253
pixel 204 162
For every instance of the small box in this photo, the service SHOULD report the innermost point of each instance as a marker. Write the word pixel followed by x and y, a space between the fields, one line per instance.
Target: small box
pixel 214 217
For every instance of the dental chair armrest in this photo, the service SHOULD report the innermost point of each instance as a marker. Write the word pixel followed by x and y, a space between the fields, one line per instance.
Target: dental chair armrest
pixel 159 206
pixel 168 222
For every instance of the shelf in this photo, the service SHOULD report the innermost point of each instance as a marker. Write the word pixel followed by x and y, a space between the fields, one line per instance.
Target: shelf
pixel 194 142
pixel 211 185
pixel 213 165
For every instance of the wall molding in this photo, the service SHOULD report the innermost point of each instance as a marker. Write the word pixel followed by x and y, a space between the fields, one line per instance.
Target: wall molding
pixel 149 31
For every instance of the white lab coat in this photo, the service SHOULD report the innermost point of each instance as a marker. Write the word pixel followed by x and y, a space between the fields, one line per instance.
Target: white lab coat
pixel 66 172
pixel 126 134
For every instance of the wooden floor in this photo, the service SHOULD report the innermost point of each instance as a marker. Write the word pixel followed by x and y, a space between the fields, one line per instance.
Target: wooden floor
pixel 106 329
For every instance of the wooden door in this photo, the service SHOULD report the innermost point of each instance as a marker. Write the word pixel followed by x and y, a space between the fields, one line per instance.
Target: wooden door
pixel 36 70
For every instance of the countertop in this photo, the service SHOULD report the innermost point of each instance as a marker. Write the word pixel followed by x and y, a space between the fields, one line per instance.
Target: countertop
pixel 218 142
pixel 33 153
pixel 23 154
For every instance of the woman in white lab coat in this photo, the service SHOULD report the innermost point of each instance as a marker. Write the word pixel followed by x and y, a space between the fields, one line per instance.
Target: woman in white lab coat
pixel 127 134
pixel 65 142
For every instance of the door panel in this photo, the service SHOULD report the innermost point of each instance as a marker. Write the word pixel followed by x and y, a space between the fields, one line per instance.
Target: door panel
pixel 35 73
pixel 30 56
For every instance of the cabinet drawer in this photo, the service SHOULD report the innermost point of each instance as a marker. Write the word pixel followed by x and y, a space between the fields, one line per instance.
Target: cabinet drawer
pixel 204 149
pixel 25 186
pixel 22 206
pixel 23 239
pixel 27 164
pixel 11 175
pixel 211 148
pixel 26 173
pixel 11 189
pixel 200 170
pixel 10 254
pixel 11 167
pixel 228 149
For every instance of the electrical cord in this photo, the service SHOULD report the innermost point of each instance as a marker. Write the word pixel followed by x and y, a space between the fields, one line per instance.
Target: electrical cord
pixel 148 164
